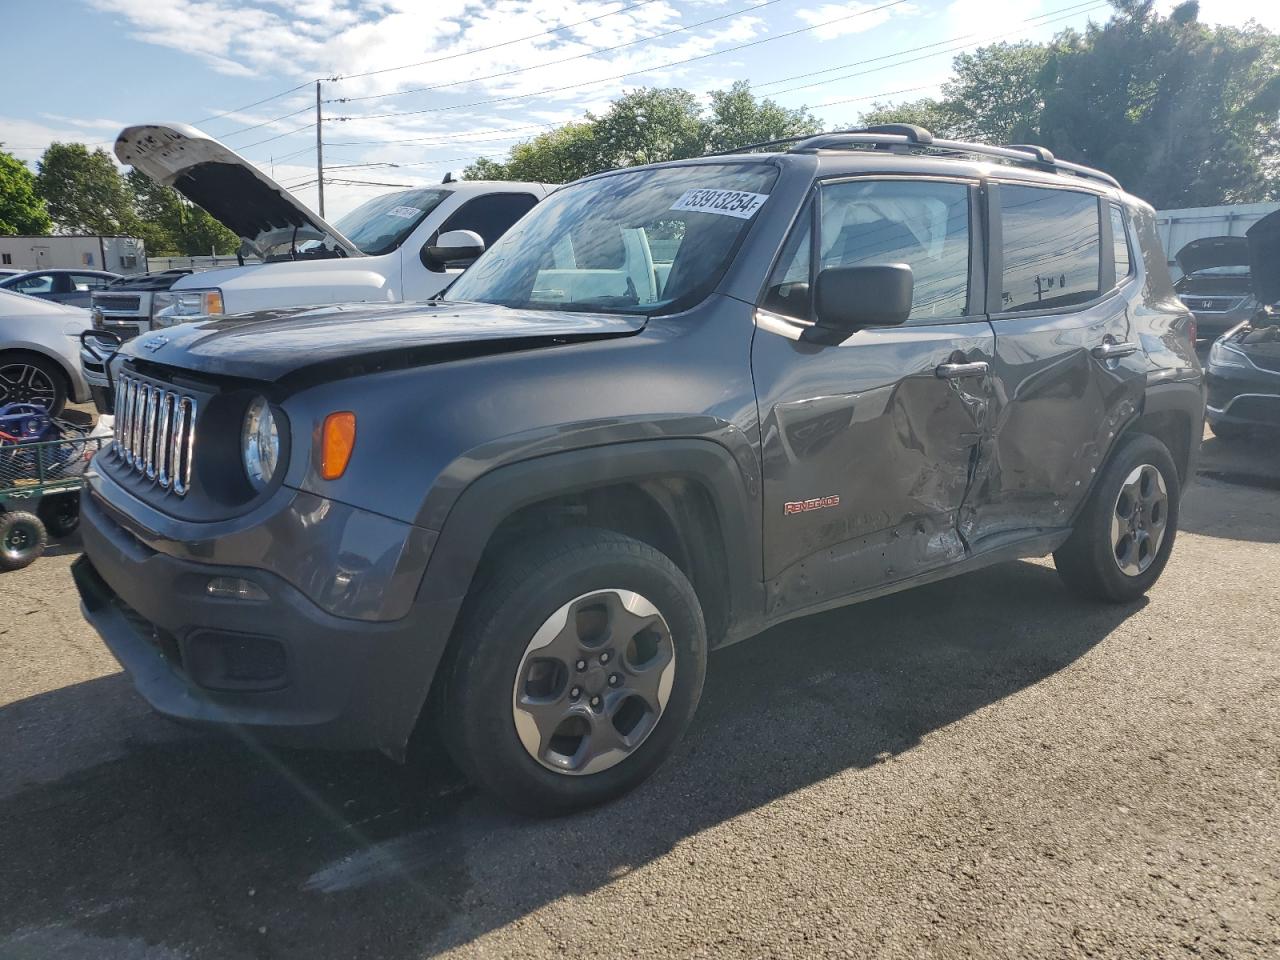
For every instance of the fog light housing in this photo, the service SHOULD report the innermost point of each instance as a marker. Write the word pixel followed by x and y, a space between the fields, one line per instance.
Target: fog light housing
pixel 217 660
pixel 234 588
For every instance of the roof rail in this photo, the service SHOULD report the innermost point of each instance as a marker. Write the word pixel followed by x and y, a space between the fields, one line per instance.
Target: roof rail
pixel 907 138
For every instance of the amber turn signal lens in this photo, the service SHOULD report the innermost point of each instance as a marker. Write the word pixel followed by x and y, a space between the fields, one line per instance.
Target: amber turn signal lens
pixel 337 440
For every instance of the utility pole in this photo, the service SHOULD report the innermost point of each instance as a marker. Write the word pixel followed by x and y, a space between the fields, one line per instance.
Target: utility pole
pixel 319 153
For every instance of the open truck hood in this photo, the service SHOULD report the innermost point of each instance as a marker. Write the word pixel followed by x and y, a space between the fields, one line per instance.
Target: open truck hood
pixel 234 192
pixel 1264 258
pixel 1209 252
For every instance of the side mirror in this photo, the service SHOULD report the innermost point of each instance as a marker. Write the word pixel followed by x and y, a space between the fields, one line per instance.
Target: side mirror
pixel 453 247
pixel 849 298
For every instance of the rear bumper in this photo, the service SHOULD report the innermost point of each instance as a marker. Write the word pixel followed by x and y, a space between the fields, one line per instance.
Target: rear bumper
pixel 281 668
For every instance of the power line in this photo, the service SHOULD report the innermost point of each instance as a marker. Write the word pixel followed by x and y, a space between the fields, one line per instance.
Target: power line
pixel 434 136
pixel 551 63
pixel 631 73
pixel 265 123
pixel 278 136
pixel 939 53
pixel 249 106
pixel 505 43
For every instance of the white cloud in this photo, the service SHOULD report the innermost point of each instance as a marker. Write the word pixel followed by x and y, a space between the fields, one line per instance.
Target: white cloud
pixel 850 18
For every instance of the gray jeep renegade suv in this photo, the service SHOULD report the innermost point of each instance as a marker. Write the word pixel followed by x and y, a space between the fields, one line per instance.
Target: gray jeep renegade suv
pixel 672 406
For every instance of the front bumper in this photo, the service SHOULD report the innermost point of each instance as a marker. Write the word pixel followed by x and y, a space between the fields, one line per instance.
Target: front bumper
pixel 1242 395
pixel 281 669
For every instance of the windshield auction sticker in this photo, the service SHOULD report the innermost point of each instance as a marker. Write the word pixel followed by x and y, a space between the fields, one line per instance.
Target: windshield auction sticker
pixel 405 213
pixel 727 203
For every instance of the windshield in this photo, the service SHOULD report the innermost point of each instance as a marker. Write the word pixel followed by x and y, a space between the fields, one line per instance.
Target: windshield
pixel 381 224
pixel 650 241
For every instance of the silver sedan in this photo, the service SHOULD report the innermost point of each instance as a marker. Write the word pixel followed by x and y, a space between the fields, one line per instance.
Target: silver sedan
pixel 40 352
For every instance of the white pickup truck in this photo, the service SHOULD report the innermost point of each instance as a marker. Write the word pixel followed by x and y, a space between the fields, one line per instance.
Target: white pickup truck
pixel 406 245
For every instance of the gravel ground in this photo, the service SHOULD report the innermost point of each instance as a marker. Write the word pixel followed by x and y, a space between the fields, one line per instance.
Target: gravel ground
pixel 980 768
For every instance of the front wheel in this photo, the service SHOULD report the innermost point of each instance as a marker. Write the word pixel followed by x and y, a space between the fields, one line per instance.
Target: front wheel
pixel 576 669
pixel 29 378
pixel 1123 537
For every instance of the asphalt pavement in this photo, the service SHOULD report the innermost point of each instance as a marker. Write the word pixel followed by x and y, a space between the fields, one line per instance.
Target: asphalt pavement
pixel 984 767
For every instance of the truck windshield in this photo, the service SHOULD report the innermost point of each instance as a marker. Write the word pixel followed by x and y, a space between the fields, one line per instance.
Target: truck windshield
pixel 380 225
pixel 648 241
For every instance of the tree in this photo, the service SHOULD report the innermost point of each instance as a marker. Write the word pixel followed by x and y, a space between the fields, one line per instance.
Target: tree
pixel 84 191
pixel 170 225
pixel 1183 114
pixel 22 211
pixel 647 126
pixel 738 118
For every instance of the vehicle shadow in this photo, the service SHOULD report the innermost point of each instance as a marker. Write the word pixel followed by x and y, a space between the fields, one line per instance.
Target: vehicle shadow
pixel 204 844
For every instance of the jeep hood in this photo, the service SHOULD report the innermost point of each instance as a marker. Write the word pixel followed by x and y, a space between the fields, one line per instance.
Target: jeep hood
pixel 1264 258
pixel 349 339
pixel 236 193
pixel 1209 252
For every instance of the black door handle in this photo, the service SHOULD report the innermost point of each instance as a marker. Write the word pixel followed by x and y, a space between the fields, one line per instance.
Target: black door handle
pixel 954 371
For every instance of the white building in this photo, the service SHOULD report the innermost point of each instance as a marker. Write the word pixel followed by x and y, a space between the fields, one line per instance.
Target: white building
pixel 1177 228
pixel 116 254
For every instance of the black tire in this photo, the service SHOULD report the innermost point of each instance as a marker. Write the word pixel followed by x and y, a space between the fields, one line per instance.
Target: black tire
pixel 476 712
pixel 1088 562
pixel 22 540
pixel 60 514
pixel 32 378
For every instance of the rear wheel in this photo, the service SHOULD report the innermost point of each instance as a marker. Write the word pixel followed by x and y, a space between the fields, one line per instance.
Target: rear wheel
pixel 29 378
pixel 22 540
pixel 578 666
pixel 1123 537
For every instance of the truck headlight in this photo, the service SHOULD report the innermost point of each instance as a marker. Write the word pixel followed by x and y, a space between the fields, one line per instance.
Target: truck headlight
pixel 1222 355
pixel 260 443
pixel 180 306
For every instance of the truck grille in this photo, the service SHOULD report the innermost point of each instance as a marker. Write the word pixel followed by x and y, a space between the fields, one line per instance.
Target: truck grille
pixel 155 432
pixel 117 303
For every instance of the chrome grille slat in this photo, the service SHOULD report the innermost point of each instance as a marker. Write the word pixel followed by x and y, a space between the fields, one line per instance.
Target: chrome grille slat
pixel 155 433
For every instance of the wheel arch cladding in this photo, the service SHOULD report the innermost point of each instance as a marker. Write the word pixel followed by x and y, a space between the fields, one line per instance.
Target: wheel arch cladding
pixel 1173 413
pixel 683 497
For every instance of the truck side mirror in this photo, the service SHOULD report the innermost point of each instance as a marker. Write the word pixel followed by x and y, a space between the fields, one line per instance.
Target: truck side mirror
pixel 849 298
pixel 452 248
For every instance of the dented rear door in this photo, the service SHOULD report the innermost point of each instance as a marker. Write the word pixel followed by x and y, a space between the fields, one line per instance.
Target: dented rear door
pixel 871 444
pixel 1070 367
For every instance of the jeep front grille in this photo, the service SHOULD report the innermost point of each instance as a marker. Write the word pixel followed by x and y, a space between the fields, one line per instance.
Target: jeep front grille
pixel 155 432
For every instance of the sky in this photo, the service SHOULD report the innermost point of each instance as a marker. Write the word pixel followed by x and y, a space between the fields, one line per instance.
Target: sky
pixel 425 86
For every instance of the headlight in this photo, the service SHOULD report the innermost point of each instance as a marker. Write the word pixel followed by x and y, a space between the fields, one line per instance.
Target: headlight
pixel 179 306
pixel 1222 355
pixel 260 443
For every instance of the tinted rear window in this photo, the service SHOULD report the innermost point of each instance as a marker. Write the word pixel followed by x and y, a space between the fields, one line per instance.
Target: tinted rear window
pixel 1051 248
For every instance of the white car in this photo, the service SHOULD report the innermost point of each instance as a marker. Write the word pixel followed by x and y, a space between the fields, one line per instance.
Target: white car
pixel 40 352
pixel 406 245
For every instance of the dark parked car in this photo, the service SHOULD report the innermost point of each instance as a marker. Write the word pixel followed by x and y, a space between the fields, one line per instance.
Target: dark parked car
pixel 1244 364
pixel 72 287
pixel 672 406
pixel 1215 283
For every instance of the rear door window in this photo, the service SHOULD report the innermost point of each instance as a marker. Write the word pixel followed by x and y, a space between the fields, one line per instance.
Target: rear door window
pixel 1052 248
pixel 35 285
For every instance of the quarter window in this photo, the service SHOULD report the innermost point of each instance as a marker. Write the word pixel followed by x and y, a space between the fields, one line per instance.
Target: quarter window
pixel 1120 241
pixel 1052 248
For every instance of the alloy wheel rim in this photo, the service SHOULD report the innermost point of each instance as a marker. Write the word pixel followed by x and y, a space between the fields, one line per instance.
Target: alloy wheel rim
pixel 1139 520
pixel 25 383
pixel 593 682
